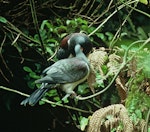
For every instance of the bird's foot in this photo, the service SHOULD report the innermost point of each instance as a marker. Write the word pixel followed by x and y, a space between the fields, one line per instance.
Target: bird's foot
pixel 72 95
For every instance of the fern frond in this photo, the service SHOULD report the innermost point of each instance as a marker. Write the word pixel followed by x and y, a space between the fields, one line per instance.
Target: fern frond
pixel 98 121
pixel 113 64
pixel 97 59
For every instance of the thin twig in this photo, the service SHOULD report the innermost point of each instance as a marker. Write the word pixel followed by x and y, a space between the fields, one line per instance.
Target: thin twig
pixel 3 60
pixel 53 55
pixel 119 8
pixel 47 101
pixel 137 10
pixel 11 28
pixel 14 91
pixel 115 36
pixel 84 5
pixel 15 40
pixel 104 12
pixel 35 21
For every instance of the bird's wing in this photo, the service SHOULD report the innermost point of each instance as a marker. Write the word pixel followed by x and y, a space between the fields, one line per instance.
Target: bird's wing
pixel 65 71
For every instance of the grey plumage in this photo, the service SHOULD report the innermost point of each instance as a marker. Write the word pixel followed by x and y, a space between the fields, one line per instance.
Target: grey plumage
pixel 66 72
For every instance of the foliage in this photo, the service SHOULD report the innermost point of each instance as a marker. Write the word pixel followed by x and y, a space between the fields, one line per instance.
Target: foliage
pixel 112 26
pixel 32 75
pixel 138 100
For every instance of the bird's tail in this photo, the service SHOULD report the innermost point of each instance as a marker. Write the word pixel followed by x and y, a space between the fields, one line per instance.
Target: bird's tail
pixel 35 96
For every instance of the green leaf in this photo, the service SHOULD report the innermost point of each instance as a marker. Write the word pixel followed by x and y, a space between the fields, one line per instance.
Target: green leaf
pixel 59 102
pixel 52 93
pixel 41 102
pixel 83 123
pixel 59 21
pixel 47 24
pixel 144 1
pixel 110 35
pixel 99 80
pixel 31 84
pixel 125 47
pixel 141 33
pixel 113 130
pixel 51 40
pixel 63 35
pixel 27 69
pixel 38 67
pixel 101 36
pixel 68 22
pixel 80 20
pixel 84 27
pixel 63 28
pixel 49 50
pixel 104 67
pixel 138 113
pixel 36 37
pixel 57 99
pixel 143 62
pixel 3 20
pixel 33 75
pixel 38 85
pixel 65 100
pixel 83 88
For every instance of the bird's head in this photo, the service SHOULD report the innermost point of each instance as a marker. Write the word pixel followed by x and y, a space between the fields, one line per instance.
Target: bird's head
pixel 68 44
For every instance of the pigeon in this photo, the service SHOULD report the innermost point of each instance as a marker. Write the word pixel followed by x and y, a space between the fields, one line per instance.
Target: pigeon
pixel 66 73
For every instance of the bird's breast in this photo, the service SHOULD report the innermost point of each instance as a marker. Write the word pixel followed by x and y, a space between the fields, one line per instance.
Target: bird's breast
pixel 69 87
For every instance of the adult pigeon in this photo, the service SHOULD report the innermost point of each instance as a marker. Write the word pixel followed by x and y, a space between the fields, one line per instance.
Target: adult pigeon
pixel 68 73
pixel 67 48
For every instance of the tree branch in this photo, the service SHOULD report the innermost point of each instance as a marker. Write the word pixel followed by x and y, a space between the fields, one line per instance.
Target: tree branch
pixel 47 101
